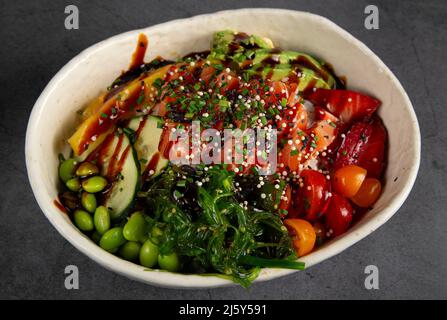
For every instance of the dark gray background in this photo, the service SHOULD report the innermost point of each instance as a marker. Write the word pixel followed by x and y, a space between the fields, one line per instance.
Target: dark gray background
pixel 409 250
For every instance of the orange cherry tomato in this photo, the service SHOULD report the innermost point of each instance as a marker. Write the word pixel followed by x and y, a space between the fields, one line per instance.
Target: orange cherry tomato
pixel 348 180
pixel 303 235
pixel 368 193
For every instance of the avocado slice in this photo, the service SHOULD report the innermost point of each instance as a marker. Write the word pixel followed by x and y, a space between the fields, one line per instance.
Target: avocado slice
pixel 228 43
pixel 299 62
pixel 256 55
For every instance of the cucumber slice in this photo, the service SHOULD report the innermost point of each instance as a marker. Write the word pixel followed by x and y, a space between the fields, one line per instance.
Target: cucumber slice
pixel 120 199
pixel 148 134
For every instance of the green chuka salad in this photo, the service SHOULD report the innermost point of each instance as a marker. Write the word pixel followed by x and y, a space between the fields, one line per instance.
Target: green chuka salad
pixel 136 191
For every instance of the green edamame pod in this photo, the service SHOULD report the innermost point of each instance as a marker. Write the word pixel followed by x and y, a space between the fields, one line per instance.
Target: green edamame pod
pixel 88 201
pixel 67 169
pixel 148 254
pixel 130 250
pixel 86 169
pixel 94 184
pixel 73 184
pixel 136 227
pixel 83 220
pixel 112 239
pixel 101 219
pixel 169 262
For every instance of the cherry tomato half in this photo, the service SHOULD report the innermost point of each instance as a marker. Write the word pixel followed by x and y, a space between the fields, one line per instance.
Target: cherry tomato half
pixel 347 180
pixel 338 215
pixel 313 195
pixel 303 235
pixel 368 193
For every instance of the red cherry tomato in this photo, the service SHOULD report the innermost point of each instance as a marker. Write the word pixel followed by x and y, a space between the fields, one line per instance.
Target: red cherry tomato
pixel 338 215
pixel 312 196
pixel 345 104
pixel 320 232
pixel 364 145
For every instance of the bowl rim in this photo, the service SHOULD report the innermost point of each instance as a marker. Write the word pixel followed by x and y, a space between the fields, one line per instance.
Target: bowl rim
pixel 175 280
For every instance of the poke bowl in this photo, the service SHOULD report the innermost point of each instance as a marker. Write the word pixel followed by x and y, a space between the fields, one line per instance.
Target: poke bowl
pixel 342 73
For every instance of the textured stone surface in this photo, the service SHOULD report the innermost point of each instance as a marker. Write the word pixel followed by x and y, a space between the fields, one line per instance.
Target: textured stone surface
pixel 409 250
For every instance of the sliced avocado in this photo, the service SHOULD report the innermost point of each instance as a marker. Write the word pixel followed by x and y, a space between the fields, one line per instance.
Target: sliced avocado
pixel 257 55
pixel 230 44
pixel 283 63
pixel 306 76
pixel 146 143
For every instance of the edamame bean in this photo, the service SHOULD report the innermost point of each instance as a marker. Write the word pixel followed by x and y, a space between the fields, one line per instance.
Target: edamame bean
pixel 94 184
pixel 101 219
pixel 86 169
pixel 67 169
pixel 148 254
pixel 112 239
pixel 169 262
pixel 130 250
pixel 73 184
pixel 135 228
pixel 83 220
pixel 88 201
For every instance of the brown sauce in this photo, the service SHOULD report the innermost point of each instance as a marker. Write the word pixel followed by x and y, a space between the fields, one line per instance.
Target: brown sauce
pixel 60 206
pixel 140 52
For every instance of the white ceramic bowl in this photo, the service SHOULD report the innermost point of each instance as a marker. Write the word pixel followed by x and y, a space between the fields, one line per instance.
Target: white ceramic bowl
pixel 85 76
